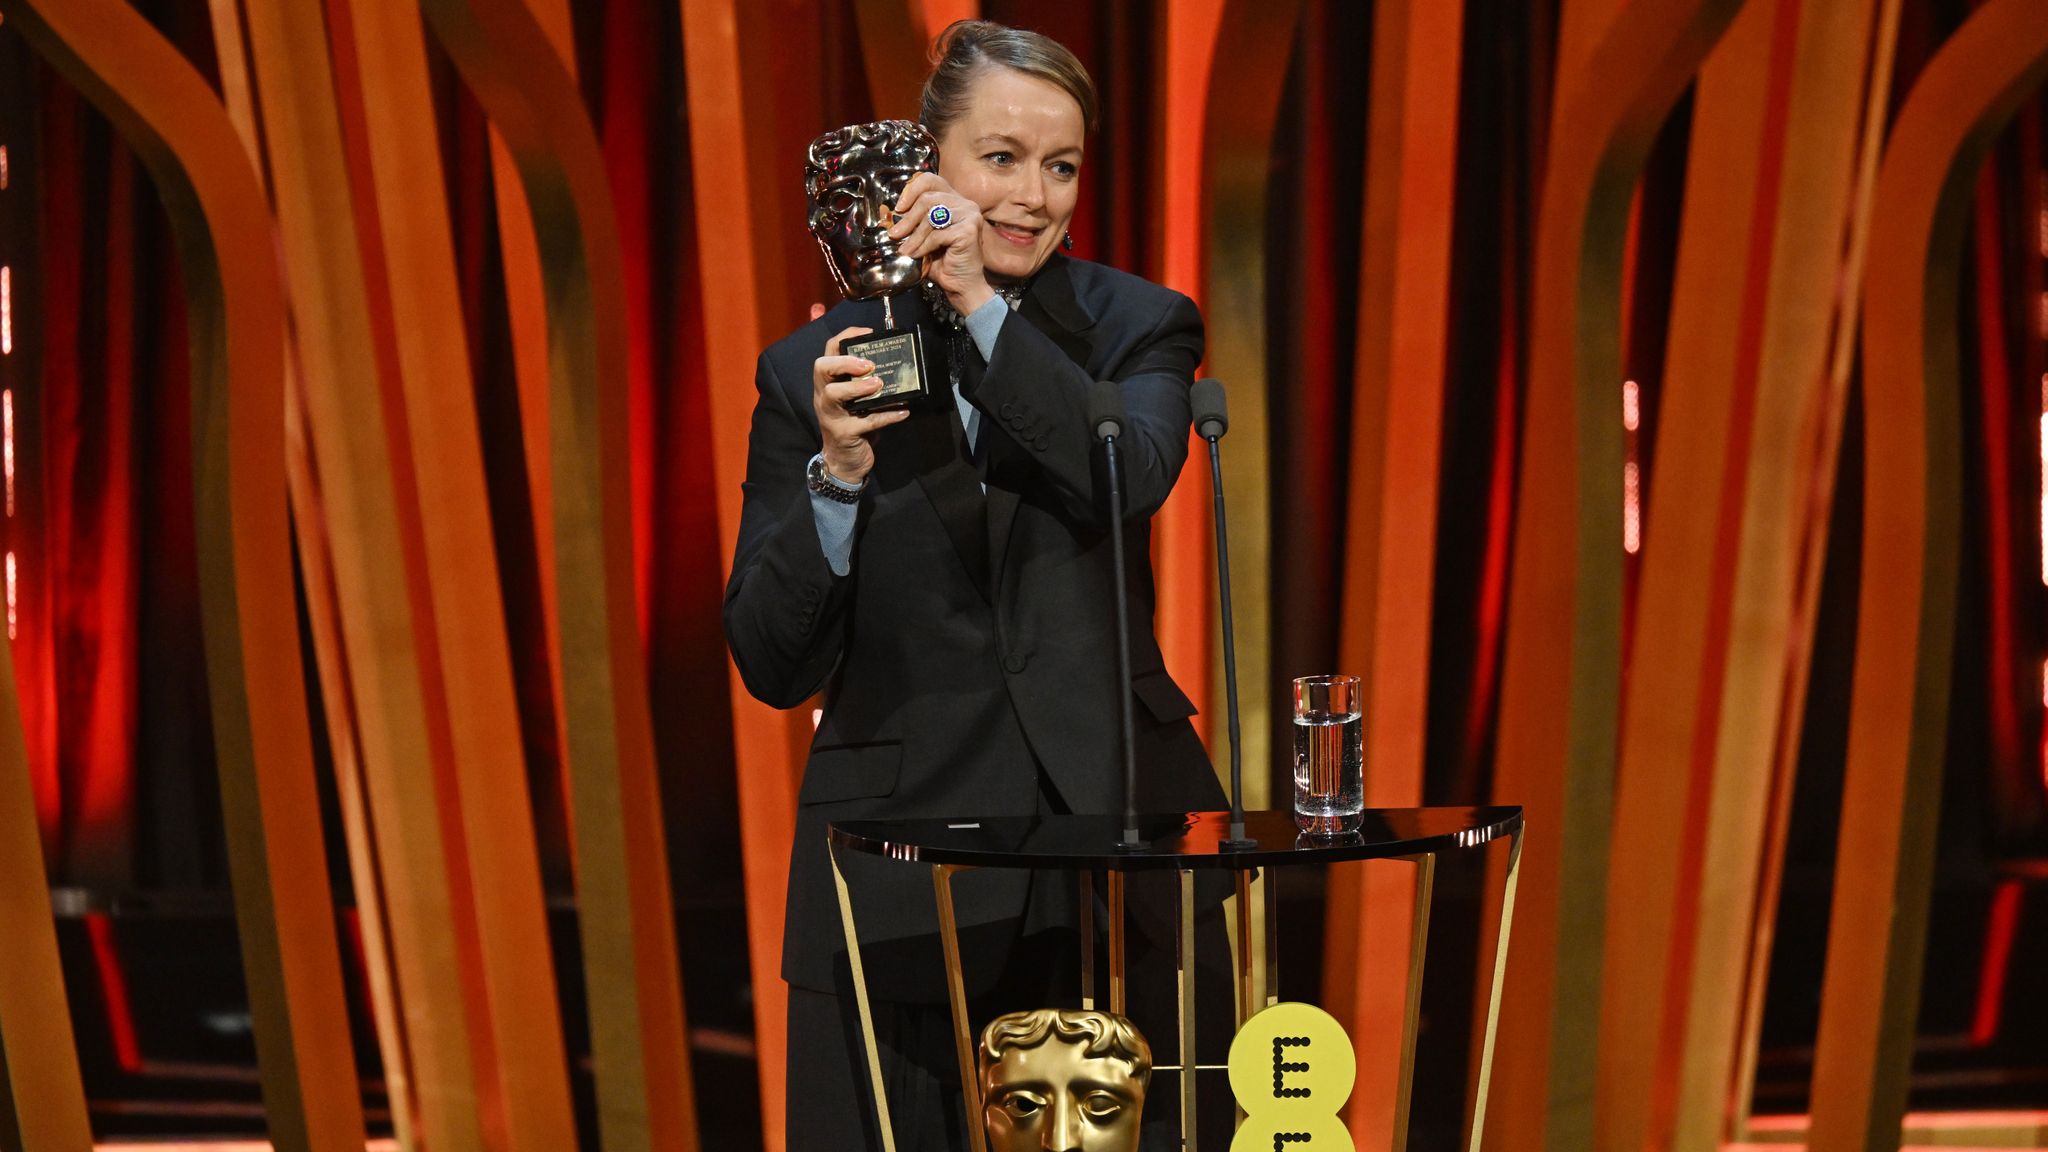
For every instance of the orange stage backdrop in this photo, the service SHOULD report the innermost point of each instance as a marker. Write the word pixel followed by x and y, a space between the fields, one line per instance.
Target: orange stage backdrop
pixel 1641 395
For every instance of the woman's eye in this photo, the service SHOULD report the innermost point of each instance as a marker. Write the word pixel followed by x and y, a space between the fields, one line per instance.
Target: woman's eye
pixel 999 159
pixel 1065 170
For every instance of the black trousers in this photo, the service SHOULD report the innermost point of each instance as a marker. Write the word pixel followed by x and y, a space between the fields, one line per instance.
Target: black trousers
pixel 830 1105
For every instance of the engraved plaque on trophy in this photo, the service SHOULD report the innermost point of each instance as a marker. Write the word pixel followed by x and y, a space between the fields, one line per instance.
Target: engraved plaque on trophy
pixel 852 179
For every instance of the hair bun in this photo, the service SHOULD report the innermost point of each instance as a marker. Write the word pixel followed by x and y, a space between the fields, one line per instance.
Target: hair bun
pixel 965 46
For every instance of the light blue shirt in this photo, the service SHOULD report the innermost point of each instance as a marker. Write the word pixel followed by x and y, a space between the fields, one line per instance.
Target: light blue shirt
pixel 835 520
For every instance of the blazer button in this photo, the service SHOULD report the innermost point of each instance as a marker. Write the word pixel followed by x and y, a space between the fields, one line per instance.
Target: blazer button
pixel 1042 443
pixel 1008 410
pixel 1014 663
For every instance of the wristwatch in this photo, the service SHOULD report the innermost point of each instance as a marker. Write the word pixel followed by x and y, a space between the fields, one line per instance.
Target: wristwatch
pixel 823 483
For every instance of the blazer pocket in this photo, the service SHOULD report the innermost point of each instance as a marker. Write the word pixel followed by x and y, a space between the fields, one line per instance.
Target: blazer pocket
pixel 850 772
pixel 1162 697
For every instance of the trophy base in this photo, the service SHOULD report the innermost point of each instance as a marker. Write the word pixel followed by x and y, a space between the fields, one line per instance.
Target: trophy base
pixel 898 357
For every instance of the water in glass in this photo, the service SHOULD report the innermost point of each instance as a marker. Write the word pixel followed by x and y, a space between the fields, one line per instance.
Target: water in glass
pixel 1329 771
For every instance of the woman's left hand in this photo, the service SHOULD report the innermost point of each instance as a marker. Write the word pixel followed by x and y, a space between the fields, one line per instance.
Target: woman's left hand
pixel 952 254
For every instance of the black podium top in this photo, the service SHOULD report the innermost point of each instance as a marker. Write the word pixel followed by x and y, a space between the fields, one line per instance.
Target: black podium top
pixel 1178 840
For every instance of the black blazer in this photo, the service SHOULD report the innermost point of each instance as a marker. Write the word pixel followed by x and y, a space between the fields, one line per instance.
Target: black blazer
pixel 971 644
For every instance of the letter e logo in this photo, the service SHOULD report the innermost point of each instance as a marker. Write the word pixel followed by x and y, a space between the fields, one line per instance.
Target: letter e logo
pixel 1291 1068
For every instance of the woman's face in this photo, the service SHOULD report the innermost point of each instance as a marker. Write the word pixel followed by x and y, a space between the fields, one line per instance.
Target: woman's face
pixel 1016 152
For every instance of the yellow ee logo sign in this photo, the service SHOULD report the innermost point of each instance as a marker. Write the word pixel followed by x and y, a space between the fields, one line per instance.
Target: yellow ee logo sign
pixel 1291 1069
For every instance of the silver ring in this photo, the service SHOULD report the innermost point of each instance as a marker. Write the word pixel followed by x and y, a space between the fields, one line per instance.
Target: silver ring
pixel 940 215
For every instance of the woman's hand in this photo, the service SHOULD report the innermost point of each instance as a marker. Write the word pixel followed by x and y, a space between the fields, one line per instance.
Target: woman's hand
pixel 849 455
pixel 952 254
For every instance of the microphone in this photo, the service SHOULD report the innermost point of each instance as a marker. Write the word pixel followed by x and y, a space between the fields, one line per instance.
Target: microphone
pixel 1106 416
pixel 1212 420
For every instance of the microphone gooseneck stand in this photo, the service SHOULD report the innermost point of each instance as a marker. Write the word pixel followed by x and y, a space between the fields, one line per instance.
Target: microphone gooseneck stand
pixel 1212 420
pixel 1105 409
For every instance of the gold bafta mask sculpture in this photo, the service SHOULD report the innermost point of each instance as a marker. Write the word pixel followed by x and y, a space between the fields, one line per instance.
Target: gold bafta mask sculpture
pixel 1063 1081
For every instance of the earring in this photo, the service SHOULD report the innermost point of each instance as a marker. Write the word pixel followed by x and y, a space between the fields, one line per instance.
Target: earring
pixel 1067 241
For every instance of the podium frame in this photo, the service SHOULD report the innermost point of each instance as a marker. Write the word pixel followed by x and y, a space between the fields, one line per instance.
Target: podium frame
pixel 1183 843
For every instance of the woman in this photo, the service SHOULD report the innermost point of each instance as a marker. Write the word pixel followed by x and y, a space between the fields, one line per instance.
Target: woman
pixel 943 574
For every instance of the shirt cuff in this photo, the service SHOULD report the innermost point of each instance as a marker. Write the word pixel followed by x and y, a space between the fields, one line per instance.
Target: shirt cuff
pixel 835 527
pixel 985 323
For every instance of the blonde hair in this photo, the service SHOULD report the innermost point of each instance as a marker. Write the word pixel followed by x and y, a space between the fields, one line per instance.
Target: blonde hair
pixel 967 46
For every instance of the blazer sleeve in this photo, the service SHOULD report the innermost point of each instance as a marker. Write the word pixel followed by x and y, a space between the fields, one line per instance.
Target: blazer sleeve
pixel 784 608
pixel 1036 396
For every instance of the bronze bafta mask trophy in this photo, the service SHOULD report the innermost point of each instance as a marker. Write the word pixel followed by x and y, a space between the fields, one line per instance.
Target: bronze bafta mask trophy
pixel 1063 1081
pixel 852 178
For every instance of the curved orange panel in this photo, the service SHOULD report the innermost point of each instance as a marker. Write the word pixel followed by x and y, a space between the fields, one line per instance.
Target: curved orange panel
pixel 644 1089
pixel 1905 626
pixel 172 119
pixel 42 1100
pixel 1561 675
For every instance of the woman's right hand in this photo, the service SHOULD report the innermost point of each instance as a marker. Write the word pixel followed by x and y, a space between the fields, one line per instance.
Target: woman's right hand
pixel 849 454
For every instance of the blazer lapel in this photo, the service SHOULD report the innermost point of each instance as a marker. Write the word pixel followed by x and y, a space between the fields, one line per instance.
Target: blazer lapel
pixel 936 444
pixel 1051 304
pixel 1052 307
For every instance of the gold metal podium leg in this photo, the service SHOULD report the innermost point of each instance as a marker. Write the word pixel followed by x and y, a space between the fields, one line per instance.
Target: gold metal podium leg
pixel 1500 967
pixel 1250 997
pixel 1087 926
pixel 860 998
pixel 956 995
pixel 1411 1013
pixel 1184 964
pixel 1272 901
pixel 1116 944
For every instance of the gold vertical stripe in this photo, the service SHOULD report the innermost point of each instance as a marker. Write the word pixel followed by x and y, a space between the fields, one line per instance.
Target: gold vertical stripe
pixel 1245 946
pixel 1495 983
pixel 1420 898
pixel 877 1090
pixel 1184 972
pixel 1118 985
pixel 1911 526
pixel 956 1002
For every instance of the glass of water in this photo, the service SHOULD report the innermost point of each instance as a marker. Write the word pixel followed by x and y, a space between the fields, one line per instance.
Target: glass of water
pixel 1329 755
